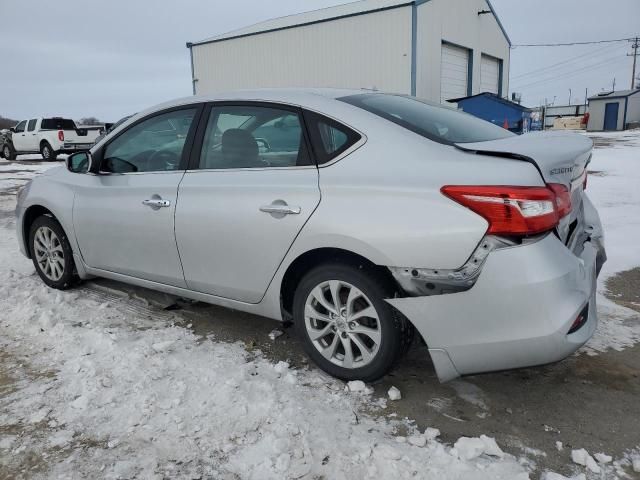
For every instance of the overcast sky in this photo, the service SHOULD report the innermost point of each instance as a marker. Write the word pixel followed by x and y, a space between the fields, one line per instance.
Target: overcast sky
pixel 107 59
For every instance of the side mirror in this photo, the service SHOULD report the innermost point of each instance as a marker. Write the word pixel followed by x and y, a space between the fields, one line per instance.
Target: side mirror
pixel 79 162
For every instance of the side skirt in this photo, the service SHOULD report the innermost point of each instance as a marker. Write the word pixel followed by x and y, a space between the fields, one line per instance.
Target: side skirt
pixel 254 308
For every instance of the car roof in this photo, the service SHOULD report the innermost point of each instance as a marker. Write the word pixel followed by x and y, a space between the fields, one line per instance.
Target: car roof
pixel 295 96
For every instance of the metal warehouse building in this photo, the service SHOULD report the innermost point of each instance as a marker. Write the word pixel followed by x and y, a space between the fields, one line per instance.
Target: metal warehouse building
pixel 435 49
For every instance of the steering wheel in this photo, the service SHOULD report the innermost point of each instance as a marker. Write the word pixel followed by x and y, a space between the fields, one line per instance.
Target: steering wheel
pixel 166 159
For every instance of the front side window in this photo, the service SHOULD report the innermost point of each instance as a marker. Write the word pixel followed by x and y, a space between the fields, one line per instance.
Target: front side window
pixel 32 125
pixel 20 127
pixel 153 145
pixel 253 137
pixel 435 122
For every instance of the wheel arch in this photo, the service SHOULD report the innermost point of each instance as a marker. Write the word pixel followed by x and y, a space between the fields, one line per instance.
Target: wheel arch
pixel 310 259
pixel 30 215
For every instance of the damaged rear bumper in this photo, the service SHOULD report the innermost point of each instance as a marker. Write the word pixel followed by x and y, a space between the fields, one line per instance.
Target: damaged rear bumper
pixel 518 313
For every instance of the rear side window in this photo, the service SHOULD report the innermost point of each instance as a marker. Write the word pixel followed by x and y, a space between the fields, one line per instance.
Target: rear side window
pixel 57 124
pixel 31 126
pixel 433 121
pixel 329 138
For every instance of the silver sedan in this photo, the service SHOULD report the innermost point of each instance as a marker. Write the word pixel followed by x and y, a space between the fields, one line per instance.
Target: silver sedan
pixel 365 218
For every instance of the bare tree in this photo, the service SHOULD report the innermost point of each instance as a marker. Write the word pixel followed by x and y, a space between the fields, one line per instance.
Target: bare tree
pixel 89 121
pixel 6 123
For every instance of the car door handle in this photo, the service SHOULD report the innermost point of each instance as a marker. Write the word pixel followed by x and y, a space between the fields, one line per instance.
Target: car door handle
pixel 280 209
pixel 156 203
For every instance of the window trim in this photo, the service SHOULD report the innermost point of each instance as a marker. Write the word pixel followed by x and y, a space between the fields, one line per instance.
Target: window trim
pixel 98 156
pixel 194 161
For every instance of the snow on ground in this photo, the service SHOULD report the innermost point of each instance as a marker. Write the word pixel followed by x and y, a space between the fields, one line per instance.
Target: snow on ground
pixel 614 188
pixel 104 393
pixel 98 391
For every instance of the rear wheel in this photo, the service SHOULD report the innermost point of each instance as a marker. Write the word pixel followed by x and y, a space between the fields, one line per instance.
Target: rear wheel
pixel 8 152
pixel 51 253
pixel 47 152
pixel 346 326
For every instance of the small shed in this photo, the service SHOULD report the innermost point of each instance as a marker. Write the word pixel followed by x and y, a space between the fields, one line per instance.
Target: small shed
pixel 614 110
pixel 497 110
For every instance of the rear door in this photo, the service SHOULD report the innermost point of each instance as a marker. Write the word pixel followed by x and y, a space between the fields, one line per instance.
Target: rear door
pixel 31 136
pixel 251 187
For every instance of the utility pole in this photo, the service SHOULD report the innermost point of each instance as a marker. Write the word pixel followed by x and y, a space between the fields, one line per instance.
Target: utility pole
pixel 636 44
pixel 569 96
pixel 613 89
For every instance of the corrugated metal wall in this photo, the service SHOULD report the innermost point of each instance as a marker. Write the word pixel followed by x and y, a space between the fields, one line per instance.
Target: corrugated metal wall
pixel 364 51
pixel 457 22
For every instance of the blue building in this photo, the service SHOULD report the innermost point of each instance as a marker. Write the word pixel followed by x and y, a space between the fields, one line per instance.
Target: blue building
pixel 499 111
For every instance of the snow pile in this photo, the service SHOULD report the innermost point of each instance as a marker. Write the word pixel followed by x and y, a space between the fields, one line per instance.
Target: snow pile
pixel 470 448
pixel 394 394
pixel 582 457
pixel 120 395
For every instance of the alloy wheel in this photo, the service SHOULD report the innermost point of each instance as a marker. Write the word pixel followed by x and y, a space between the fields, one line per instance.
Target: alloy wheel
pixel 49 253
pixel 343 324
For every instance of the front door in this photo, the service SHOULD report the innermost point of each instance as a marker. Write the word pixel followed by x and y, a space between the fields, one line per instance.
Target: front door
pixel 19 137
pixel 611 116
pixel 124 217
pixel 242 206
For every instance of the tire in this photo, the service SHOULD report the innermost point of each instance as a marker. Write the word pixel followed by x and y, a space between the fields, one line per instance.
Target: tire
pixel 51 253
pixel 334 332
pixel 48 154
pixel 8 152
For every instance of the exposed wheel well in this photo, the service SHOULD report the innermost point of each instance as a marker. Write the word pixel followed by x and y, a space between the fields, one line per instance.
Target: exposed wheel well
pixel 43 143
pixel 311 259
pixel 30 215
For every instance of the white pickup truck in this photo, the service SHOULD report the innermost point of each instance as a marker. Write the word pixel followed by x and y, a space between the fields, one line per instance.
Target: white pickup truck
pixel 47 136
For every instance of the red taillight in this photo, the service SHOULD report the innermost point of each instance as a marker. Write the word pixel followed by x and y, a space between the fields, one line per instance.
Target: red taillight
pixel 61 135
pixel 563 199
pixel 509 210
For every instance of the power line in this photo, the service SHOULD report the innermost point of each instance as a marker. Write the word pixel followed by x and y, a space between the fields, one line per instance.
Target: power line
pixel 571 74
pixel 571 43
pixel 562 63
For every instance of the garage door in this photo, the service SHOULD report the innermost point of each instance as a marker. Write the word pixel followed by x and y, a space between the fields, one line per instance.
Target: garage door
pixel 454 72
pixel 489 74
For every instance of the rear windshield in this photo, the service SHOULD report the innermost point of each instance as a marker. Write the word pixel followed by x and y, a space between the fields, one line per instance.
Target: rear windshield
pixel 433 121
pixel 57 124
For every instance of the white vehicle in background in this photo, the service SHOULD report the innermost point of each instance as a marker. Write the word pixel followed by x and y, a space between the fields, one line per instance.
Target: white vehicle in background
pixel 48 137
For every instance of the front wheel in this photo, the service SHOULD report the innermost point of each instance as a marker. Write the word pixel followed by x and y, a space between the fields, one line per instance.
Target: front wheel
pixel 47 152
pixel 51 253
pixel 8 152
pixel 347 327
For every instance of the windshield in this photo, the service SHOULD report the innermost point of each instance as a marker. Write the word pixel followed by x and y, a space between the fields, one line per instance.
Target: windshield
pixel 433 121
